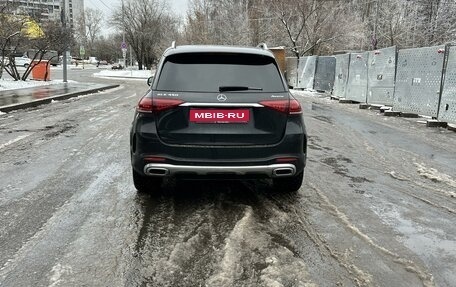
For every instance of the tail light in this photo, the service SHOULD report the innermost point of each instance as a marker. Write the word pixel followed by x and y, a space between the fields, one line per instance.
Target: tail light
pixel 286 159
pixel 295 107
pixel 150 105
pixel 291 107
pixel 155 159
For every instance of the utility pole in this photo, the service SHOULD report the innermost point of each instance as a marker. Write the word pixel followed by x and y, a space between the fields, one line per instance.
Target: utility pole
pixel 374 37
pixel 64 58
pixel 131 59
pixel 124 52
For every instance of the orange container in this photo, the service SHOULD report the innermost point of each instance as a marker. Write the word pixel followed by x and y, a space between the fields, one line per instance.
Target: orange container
pixel 41 71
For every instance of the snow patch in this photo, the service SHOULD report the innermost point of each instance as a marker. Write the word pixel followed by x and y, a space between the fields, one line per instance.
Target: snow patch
pixel 181 254
pixel 280 266
pixel 434 175
pixel 57 272
pixel 141 74
pixel 10 84
pixel 236 245
pixel 306 93
pixel 249 245
pixel 13 141
pixel 394 175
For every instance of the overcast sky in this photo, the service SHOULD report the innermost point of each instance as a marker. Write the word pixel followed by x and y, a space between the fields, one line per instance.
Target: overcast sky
pixel 107 6
pixel 179 6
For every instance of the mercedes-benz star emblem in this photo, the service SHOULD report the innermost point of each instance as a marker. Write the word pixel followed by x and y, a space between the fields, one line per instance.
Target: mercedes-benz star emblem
pixel 221 98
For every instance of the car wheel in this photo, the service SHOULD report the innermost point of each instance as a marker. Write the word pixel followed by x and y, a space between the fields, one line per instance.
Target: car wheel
pixel 288 184
pixel 145 183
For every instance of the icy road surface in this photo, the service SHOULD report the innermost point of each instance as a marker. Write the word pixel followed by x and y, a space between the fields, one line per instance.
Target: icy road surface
pixel 377 207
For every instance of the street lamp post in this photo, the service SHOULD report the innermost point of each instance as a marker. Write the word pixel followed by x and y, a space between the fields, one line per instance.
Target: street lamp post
pixel 64 58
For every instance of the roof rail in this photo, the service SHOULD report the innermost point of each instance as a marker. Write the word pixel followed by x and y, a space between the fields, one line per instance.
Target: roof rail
pixel 262 46
pixel 173 45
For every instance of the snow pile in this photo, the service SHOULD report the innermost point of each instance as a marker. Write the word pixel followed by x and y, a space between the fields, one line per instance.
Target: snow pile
pixel 137 74
pixel 436 176
pixel 10 84
pixel 305 93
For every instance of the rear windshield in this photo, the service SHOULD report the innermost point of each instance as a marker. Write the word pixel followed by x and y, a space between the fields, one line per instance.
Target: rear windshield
pixel 203 72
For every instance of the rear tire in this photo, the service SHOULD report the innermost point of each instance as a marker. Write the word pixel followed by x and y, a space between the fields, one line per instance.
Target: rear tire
pixel 288 184
pixel 146 183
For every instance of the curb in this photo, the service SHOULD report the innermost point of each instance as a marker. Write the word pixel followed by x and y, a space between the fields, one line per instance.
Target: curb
pixel 122 77
pixel 39 102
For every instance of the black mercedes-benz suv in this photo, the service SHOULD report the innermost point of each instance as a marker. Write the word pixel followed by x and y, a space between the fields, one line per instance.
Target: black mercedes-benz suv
pixel 218 112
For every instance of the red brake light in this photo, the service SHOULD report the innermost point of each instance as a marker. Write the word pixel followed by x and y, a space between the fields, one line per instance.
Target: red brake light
pixel 145 105
pixel 291 107
pixel 154 159
pixel 159 105
pixel 149 105
pixel 295 107
pixel 286 159
pixel 280 105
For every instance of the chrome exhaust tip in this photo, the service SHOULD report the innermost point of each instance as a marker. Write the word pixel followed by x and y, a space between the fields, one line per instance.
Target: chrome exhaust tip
pixel 283 171
pixel 156 171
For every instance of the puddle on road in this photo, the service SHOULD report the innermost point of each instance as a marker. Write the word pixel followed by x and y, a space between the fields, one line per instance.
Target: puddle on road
pixel 430 243
pixel 342 170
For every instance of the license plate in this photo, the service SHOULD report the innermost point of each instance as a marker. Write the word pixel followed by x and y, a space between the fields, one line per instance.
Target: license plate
pixel 219 116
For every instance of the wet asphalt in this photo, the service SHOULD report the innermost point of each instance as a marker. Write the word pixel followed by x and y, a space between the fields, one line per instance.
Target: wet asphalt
pixel 377 207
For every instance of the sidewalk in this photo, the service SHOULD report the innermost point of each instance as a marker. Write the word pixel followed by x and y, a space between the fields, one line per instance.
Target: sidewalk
pixel 31 97
pixel 22 98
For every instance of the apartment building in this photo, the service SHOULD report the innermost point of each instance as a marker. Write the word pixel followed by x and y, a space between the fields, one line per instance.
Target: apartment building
pixel 50 9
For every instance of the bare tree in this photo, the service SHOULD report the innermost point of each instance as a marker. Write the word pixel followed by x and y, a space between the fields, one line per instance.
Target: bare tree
pixel 227 22
pixel 89 28
pixel 107 47
pixel 321 26
pixel 145 23
pixel 199 22
pixel 10 32
pixel 437 21
pixel 311 24
pixel 51 37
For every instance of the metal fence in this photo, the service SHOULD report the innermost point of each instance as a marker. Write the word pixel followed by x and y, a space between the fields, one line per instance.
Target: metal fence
pixel 341 75
pixel 418 80
pixel 447 110
pixel 381 76
pixel 357 78
pixel 306 72
pixel 324 74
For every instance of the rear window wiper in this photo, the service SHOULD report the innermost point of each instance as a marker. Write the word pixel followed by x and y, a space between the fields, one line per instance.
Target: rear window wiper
pixel 238 88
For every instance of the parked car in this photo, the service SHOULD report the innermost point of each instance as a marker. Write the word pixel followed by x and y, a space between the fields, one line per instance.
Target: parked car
pixel 218 112
pixel 23 61
pixel 49 55
pixel 92 60
pixel 117 66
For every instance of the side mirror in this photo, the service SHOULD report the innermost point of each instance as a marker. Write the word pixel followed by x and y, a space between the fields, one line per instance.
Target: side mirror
pixel 150 80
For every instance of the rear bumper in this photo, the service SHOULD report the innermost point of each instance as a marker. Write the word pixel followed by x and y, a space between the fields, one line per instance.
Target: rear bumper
pixel 271 171
pixel 152 157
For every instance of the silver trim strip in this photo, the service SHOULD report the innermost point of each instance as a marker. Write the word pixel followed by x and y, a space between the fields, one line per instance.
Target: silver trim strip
pixel 247 105
pixel 268 170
